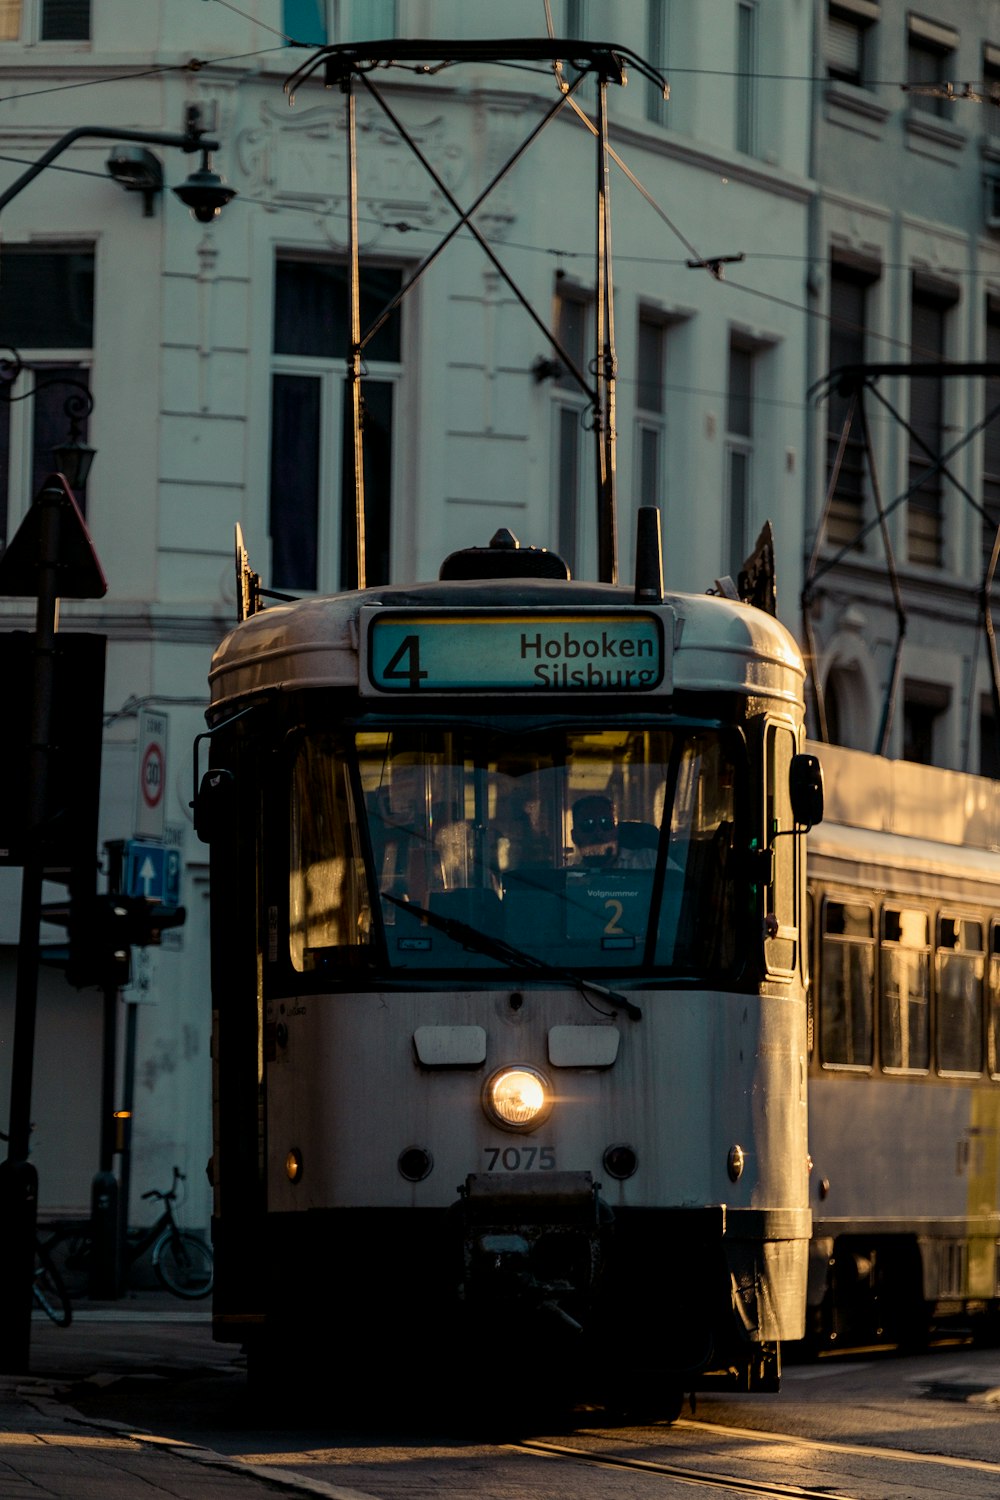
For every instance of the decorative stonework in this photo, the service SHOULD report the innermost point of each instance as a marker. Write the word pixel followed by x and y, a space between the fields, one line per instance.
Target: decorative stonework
pixel 298 159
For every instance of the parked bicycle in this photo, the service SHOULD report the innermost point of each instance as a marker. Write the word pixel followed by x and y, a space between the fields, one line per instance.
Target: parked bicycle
pixel 48 1288
pixel 183 1263
pixel 48 1291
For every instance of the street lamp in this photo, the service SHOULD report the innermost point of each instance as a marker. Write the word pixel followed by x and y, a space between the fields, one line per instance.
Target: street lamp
pixel 205 192
pixel 192 139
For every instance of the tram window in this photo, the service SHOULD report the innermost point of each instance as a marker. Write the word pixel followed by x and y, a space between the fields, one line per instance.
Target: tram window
pixel 780 747
pixel 993 1001
pixel 905 1003
pixel 328 905
pixel 701 856
pixel 960 968
pixel 811 975
pixel 474 841
pixel 847 984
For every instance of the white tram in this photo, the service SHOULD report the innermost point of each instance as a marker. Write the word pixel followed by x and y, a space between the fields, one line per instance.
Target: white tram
pixel 473 1080
pixel 904 1089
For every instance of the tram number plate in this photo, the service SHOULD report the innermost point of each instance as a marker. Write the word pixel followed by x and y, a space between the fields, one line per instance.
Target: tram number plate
pixel 520 1158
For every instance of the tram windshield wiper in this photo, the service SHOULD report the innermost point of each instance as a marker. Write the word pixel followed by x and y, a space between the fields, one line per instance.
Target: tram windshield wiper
pixel 494 947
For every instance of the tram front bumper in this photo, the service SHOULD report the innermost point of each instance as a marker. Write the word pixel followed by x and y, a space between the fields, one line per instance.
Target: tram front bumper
pixel 532 1248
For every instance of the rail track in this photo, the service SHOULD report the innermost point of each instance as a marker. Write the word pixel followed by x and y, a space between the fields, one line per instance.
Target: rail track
pixel 593 1447
pixel 682 1472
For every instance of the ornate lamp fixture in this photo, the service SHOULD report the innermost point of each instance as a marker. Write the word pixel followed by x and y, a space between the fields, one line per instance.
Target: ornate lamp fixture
pixel 73 457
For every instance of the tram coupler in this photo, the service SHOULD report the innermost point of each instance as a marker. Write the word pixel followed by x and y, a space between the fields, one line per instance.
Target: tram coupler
pixel 531 1246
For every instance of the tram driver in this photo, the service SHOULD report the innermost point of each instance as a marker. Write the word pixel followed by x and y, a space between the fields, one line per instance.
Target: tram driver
pixel 603 843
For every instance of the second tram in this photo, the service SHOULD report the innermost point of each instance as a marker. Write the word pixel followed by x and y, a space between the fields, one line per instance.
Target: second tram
pixel 509 980
pixel 904 1089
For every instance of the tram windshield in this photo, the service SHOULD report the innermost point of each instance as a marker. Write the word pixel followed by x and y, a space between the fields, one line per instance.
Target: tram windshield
pixel 445 849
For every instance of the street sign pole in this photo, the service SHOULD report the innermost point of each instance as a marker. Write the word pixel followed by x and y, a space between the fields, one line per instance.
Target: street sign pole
pixel 46 575
pixel 19 1190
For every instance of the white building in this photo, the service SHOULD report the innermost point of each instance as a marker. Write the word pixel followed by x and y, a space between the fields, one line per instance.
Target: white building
pixel 216 354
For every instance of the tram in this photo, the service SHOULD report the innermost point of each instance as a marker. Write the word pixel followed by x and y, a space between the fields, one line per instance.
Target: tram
pixel 904 1041
pixel 509 962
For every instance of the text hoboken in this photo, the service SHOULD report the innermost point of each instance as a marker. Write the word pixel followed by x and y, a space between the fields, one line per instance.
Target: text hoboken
pixel 555 651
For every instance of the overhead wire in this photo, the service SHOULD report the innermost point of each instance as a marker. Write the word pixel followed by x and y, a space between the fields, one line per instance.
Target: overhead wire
pixel 193 65
pixel 759 293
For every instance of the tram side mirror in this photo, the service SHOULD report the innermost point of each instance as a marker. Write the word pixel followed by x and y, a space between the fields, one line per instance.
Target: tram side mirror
pixel 805 786
pixel 212 803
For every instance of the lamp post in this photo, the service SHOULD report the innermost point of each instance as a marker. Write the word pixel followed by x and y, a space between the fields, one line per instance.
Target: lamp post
pixel 193 138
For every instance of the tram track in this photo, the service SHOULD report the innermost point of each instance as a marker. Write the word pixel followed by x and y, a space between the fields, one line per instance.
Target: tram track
pixel 744 1484
pixel 682 1472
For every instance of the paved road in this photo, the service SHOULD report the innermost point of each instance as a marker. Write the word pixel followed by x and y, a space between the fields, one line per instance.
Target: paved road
pixel 865 1429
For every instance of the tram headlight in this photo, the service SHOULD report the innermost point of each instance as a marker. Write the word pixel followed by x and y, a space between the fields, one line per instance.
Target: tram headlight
pixel 517 1098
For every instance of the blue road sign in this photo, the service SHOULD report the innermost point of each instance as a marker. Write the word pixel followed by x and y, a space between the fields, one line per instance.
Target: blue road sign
pixel 152 871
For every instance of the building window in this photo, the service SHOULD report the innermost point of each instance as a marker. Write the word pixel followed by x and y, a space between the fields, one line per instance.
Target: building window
pixel 578 25
pixel 930 57
pixel 925 705
pixel 849 288
pixel 739 454
pixel 848 706
pixel 311 512
pixel 45 20
pixel 573 443
pixel 991 90
pixel 989 741
pixel 48 301
pixel 319 22
pixel 656 53
pixel 991 433
pixel 928 342
pixel 650 409
pixel 850 37
pixel 576 19
pixel 746 76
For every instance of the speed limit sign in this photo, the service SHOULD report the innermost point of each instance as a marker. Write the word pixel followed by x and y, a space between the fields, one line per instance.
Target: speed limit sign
pixel 152 775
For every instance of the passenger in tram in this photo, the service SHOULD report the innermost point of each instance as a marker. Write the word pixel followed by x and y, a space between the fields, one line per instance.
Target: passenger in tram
pixel 407 861
pixel 603 843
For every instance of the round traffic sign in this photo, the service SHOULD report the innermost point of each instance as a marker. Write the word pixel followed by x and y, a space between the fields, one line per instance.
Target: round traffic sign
pixel 151 774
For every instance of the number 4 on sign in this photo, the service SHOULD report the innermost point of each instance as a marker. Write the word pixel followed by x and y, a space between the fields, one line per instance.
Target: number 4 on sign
pixel 405 663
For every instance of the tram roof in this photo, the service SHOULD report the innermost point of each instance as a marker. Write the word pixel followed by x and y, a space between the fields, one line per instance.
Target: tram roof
pixel 717 645
pixel 919 805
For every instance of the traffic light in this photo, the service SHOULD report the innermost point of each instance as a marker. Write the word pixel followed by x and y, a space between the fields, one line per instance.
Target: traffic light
pixel 148 920
pixel 103 930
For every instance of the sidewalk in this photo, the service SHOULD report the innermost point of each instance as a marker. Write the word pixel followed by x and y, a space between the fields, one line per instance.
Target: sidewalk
pixel 48 1449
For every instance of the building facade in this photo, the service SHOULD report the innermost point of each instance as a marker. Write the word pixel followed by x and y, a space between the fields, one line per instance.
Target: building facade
pixel 906 271
pixel 783 198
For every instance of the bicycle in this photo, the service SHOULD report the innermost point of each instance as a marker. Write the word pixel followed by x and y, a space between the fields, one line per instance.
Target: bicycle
pixel 183 1263
pixel 48 1290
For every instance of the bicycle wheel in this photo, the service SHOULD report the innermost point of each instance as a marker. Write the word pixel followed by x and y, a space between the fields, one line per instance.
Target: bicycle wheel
pixel 49 1292
pixel 183 1264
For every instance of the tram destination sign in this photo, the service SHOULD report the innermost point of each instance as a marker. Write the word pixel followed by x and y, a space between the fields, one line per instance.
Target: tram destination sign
pixel 468 651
